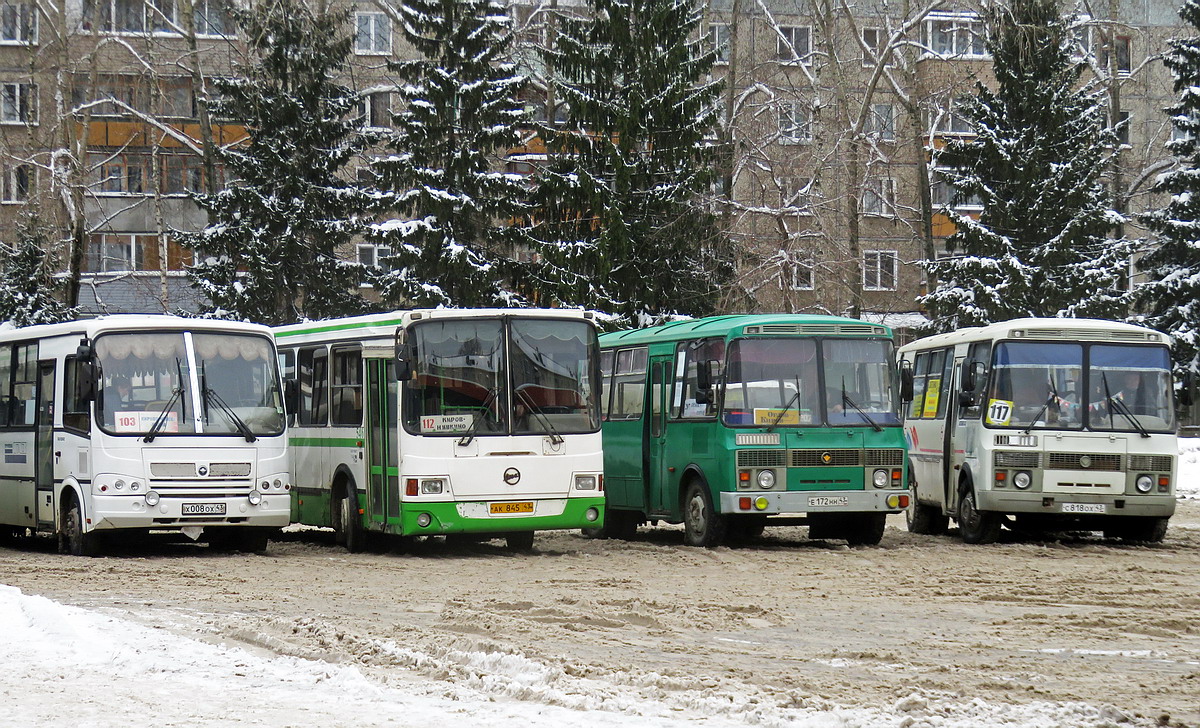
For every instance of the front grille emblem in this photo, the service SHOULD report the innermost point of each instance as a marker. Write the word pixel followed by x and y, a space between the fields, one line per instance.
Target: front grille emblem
pixel 1085 461
pixel 203 471
pixel 826 458
pixel 512 476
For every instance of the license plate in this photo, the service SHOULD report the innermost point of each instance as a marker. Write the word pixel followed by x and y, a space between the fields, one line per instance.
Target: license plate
pixel 203 509
pixel 828 501
pixel 518 507
pixel 1083 508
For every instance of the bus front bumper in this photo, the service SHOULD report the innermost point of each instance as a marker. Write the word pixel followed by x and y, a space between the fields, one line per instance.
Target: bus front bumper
pixel 476 516
pixel 1070 504
pixel 112 512
pixel 825 501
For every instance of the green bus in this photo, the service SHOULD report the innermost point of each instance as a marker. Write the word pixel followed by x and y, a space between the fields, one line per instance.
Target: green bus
pixel 730 424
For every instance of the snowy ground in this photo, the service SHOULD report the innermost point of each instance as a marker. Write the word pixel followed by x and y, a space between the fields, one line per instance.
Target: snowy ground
pixel 918 633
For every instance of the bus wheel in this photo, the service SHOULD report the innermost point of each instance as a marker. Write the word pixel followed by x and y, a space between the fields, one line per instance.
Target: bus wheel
pixel 746 528
pixel 1148 529
pixel 72 539
pixel 926 519
pixel 519 541
pixel 702 525
pixel 974 525
pixel 251 540
pixel 617 524
pixel 350 531
pixel 866 529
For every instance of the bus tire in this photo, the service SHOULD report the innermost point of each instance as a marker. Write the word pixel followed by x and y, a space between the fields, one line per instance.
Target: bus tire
pixel 702 525
pixel 251 540
pixel 617 524
pixel 72 539
pixel 1146 529
pixel 350 530
pixel 925 519
pixel 519 541
pixel 975 526
pixel 746 528
pixel 865 529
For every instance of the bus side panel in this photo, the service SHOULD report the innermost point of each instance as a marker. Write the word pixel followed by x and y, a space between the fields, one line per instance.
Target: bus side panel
pixel 311 499
pixel 17 490
pixel 690 443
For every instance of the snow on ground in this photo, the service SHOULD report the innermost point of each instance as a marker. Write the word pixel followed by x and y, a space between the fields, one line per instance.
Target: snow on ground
pixel 1188 485
pixel 65 665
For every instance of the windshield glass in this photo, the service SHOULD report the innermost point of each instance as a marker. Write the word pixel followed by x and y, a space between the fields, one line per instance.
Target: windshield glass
pixel 553 381
pixel 138 377
pixel 772 381
pixel 459 378
pixel 1138 379
pixel 238 377
pixel 859 382
pixel 1036 385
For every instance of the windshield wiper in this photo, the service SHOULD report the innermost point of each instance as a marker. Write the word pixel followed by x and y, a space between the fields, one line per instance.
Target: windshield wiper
pixel 162 416
pixel 779 417
pixel 536 411
pixel 1052 398
pixel 1121 407
pixel 847 401
pixel 207 392
pixel 469 435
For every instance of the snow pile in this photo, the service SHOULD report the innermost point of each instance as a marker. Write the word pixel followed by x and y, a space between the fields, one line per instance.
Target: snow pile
pixel 1188 483
pixel 94 670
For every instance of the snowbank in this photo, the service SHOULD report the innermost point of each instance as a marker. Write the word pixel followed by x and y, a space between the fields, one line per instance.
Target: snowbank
pixel 1188 485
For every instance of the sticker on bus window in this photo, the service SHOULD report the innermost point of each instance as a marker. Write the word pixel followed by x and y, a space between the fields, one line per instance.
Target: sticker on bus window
pixel 933 392
pixel 141 421
pixel 999 411
pixel 769 416
pixel 446 423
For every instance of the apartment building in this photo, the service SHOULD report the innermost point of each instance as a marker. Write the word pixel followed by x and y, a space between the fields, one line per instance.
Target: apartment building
pixel 833 112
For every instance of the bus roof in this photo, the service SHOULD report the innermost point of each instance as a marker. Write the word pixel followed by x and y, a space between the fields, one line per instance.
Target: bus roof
pixel 753 324
pixel 1045 329
pixel 384 324
pixel 127 322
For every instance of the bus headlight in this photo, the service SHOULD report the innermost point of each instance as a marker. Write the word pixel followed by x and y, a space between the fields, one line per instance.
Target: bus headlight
pixel 1022 479
pixel 151 498
pixel 119 485
pixel 585 482
pixel 254 497
pixel 277 484
pixel 433 486
pixel 880 478
pixel 1144 483
pixel 766 479
pixel 135 485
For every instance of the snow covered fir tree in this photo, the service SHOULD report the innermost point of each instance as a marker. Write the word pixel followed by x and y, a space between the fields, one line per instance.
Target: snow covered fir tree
pixel 1043 242
pixel 618 218
pixel 447 209
pixel 271 250
pixel 30 293
pixel 1171 291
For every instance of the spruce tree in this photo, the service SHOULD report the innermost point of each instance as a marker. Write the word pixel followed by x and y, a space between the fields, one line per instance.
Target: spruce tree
pixel 270 250
pixel 1171 293
pixel 450 232
pixel 618 217
pixel 1041 245
pixel 30 293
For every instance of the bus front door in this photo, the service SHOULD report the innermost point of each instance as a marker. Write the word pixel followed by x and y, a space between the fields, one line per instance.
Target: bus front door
pixel 383 472
pixel 43 446
pixel 654 463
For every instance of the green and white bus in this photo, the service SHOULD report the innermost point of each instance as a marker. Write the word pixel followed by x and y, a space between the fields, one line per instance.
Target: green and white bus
pixel 1043 424
pixel 448 421
pixel 730 424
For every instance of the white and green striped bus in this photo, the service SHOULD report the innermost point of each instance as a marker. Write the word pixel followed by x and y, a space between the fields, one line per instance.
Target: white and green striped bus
pixel 450 421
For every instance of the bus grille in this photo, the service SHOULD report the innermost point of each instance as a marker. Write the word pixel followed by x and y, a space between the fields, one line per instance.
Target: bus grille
pixel 192 470
pixel 885 458
pixel 1005 459
pixel 818 458
pixel 761 458
pixel 1160 463
pixel 1075 461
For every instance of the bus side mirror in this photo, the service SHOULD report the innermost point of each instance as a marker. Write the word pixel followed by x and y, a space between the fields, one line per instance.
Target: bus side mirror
pixel 973 374
pixel 704 382
pixel 1185 394
pixel 85 375
pixel 291 395
pixel 906 382
pixel 404 355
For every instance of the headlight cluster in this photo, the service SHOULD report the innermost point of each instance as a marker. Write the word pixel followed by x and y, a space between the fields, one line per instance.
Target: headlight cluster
pixel 119 486
pixel 587 482
pixel 432 486
pixel 277 484
pixel 1144 483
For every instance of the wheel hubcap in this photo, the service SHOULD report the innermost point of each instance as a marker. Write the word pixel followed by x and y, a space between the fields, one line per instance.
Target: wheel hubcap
pixel 697 514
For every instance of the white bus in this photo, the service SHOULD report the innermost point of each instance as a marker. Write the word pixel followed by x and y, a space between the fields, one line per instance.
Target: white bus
pixel 448 421
pixel 1042 424
pixel 142 423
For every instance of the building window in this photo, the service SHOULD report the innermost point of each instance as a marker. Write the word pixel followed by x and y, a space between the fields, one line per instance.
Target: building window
pixel 718 36
pixel 129 16
pixel 795 123
pixel 796 194
pixel 942 194
pixel 879 270
pixel 953 120
pixel 373 255
pixel 124 252
pixel 799 273
pixel 879 196
pixel 373 34
pixel 1124 48
pixel 794 44
pixel 211 17
pixel 17 181
pixel 182 174
pixel 958 36
pixel 882 122
pixel 1123 124
pixel 872 41
pixel 374 109
pixel 18 24
pixel 18 103
pixel 119 174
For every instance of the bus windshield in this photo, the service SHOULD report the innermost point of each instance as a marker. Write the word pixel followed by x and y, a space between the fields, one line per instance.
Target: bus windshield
pixel 1042 385
pixel 474 376
pixel 777 382
pixel 238 382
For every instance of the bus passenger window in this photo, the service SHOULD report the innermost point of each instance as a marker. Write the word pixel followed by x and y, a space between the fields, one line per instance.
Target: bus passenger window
pixel 313 385
pixel 24 389
pixel 690 401
pixel 629 385
pixel 6 400
pixel 606 361
pixel 347 387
